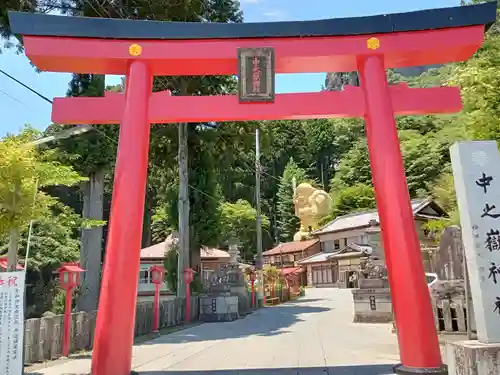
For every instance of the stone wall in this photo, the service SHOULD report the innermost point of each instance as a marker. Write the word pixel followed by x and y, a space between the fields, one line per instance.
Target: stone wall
pixel 44 336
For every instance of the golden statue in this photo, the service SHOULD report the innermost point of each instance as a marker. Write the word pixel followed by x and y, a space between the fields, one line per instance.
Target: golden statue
pixel 311 205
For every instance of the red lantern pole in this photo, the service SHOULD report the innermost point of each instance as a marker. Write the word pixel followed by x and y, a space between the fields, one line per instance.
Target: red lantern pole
pixel 67 321
pixel 157 277
pixel 253 293
pixel 156 310
pixel 288 281
pixel 188 278
pixel 188 303
pixel 69 278
pixel 252 277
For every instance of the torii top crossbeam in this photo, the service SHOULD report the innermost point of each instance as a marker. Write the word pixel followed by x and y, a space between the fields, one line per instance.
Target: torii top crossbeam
pixel 101 46
pixel 106 46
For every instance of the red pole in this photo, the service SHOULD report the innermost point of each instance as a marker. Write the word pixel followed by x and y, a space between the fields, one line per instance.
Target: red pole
pixel 417 337
pixel 116 315
pixel 156 309
pixel 67 321
pixel 188 302
pixel 253 293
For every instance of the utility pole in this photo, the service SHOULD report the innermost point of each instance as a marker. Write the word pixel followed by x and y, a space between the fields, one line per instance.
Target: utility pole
pixel 259 260
pixel 14 232
pixel 183 249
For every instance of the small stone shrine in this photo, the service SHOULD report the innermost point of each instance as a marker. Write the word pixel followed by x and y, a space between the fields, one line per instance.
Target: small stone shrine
pixel 227 298
pixel 372 301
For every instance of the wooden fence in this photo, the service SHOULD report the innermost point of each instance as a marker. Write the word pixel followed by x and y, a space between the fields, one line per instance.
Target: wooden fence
pixel 44 336
pixel 451 316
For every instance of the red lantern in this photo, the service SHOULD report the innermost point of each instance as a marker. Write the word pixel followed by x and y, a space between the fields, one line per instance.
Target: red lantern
pixel 253 276
pixel 69 275
pixel 157 277
pixel 69 278
pixel 188 275
pixel 157 273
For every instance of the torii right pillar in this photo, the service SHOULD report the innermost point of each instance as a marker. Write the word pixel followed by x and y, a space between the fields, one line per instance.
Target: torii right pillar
pixel 418 342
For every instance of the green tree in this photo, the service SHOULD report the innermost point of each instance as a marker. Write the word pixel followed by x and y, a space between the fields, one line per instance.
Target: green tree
pixel 234 159
pixel 288 223
pixel 238 222
pixel 359 197
pixel 423 160
pixel 22 171
pixel 54 240
pixel 479 81
pixel 170 264
pixel 354 167
pixel 324 141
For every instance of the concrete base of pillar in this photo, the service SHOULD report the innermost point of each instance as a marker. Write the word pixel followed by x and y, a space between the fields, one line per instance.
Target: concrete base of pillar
pixel 402 370
pixel 472 357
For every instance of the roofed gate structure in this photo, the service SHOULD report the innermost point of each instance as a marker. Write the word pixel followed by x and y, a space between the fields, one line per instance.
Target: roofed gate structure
pixel 143 49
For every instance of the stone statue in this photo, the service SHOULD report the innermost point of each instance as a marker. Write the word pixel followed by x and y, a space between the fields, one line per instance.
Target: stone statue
pixel 311 205
pixel 371 270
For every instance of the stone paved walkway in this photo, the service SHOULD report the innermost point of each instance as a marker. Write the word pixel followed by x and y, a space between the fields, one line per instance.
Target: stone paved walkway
pixel 313 335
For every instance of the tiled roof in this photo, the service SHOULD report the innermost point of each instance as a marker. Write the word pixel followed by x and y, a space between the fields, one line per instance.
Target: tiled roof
pixel 362 219
pixel 290 247
pixel 352 250
pixel 292 270
pixel 156 251
pixel 367 249
pixel 348 254
pixel 207 253
pixel 316 258
pixel 160 249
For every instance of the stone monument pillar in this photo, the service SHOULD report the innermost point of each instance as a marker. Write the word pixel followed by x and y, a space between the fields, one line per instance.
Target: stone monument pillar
pixel 476 172
pixel 238 286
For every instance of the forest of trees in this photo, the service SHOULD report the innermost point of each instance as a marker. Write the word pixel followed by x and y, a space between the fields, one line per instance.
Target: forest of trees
pixel 330 153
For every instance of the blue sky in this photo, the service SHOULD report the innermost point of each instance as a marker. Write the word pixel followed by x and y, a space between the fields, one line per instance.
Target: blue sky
pixel 18 106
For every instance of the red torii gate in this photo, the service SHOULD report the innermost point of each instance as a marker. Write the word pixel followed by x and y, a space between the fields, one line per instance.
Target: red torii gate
pixel 143 49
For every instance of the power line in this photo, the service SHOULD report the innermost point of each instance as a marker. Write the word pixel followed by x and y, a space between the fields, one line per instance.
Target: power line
pixel 248 168
pixel 15 99
pixel 44 98
pixel 26 87
pixel 95 128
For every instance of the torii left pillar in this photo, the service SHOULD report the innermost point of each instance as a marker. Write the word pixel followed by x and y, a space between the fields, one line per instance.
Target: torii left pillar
pixel 114 333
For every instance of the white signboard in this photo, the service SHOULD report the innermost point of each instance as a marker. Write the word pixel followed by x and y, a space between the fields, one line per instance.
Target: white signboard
pixel 476 171
pixel 11 322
